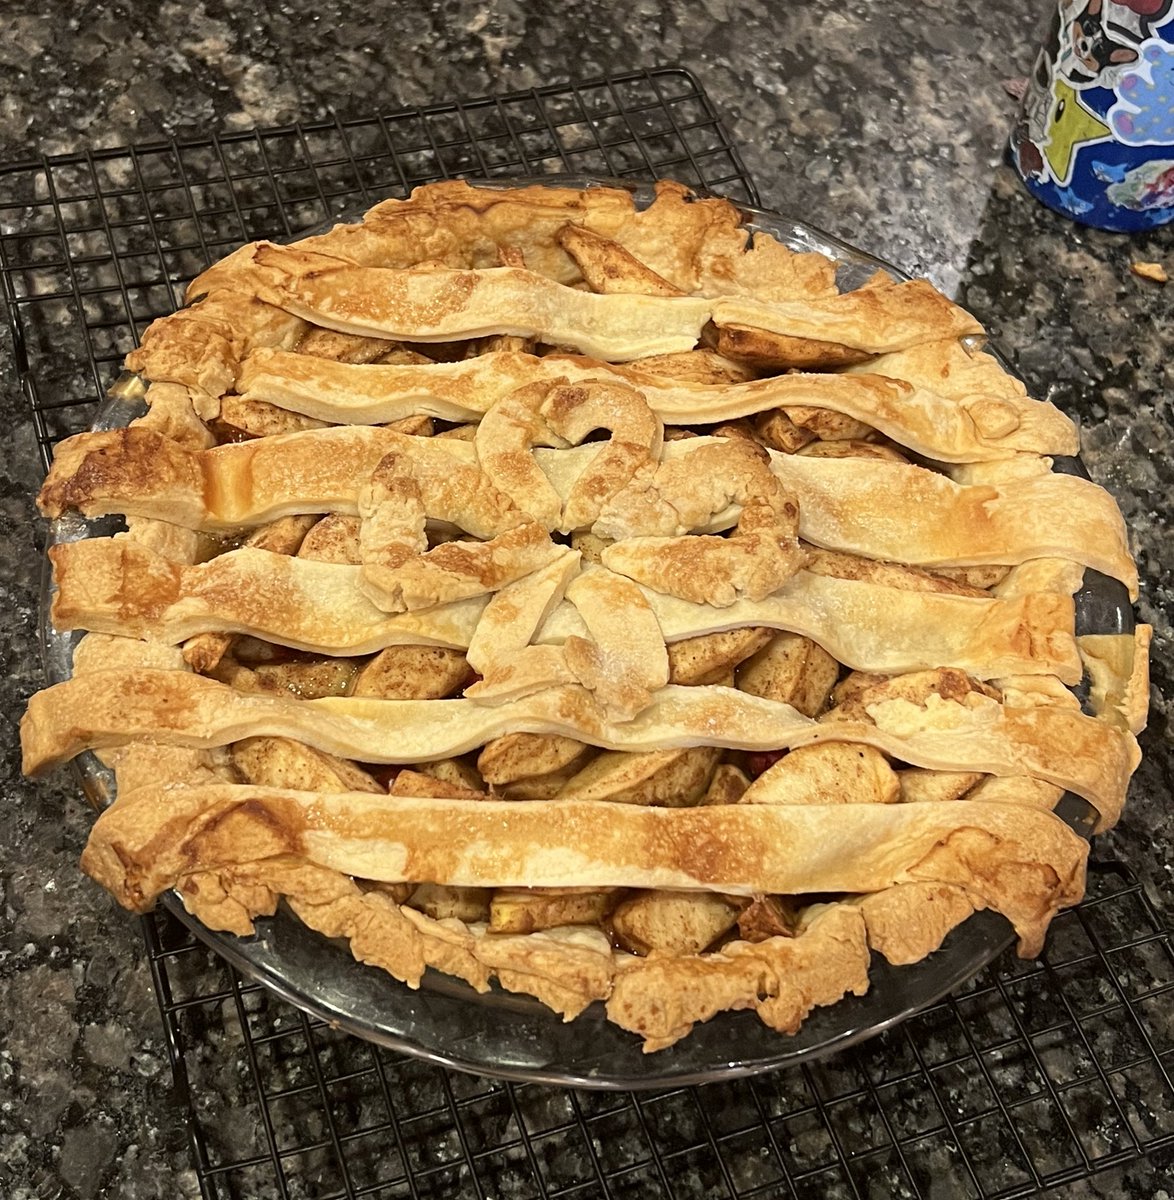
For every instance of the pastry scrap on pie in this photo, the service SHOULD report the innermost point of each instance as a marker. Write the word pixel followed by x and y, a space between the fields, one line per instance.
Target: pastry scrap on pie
pixel 535 588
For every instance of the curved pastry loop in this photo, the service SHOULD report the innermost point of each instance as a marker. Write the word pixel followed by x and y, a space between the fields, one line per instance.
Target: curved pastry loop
pixel 573 412
pixel 510 429
pixel 754 562
pixel 557 414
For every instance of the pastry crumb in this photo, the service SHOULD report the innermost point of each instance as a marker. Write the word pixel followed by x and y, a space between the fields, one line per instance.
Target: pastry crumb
pixel 1150 270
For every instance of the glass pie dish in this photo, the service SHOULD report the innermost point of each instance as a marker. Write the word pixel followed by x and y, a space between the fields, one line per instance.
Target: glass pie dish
pixel 504 1034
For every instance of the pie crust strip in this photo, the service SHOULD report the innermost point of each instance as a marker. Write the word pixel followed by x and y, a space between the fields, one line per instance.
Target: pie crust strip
pixel 424 304
pixel 970 427
pixel 1024 862
pixel 113 585
pixel 440 304
pixel 112 708
pixel 697 243
pixel 926 519
pixel 878 320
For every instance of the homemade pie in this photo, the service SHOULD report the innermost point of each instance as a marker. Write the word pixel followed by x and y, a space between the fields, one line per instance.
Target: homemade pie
pixel 596 600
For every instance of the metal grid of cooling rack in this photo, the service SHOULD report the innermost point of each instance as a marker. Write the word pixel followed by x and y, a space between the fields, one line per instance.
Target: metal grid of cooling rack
pixel 1034 1075
pixel 95 245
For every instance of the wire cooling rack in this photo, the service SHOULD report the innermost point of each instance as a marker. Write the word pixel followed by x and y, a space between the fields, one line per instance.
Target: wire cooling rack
pixel 95 245
pixel 1034 1075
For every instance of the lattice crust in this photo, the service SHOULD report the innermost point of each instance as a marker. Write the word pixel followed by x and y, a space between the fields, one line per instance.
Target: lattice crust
pixel 931 522
pixel 534 588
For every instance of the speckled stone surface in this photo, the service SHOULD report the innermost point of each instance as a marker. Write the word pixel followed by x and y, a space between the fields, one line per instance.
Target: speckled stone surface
pixel 882 121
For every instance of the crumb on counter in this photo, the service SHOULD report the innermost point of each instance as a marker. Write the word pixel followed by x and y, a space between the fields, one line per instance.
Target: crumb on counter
pixel 1150 270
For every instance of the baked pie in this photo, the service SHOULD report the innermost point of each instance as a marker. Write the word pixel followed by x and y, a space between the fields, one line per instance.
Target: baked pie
pixel 594 599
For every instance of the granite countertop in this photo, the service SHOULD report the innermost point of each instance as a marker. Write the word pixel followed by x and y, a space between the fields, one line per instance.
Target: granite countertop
pixel 843 112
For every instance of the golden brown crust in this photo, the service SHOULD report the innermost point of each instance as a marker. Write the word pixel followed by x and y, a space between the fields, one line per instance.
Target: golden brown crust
pixel 930 521
pixel 927 514
pixel 137 470
pixel 297 602
pixel 1022 861
pixel 698 244
pixel 852 566
pixel 562 968
pixel 116 464
pixel 111 708
pixel 571 655
pixel 321 607
pixel 939 426
pixel 874 320
pixel 753 563
pixel 430 304
pixel 911 920
pixel 781 979
pixel 201 347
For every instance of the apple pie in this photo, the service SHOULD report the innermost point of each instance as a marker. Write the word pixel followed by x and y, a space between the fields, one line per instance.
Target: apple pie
pixel 591 598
